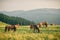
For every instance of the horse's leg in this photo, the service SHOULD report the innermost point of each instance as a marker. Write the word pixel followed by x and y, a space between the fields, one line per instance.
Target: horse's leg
pixel 38 30
pixel 8 29
pixel 5 29
pixel 34 29
pixel 43 25
pixel 14 29
pixel 46 25
pixel 40 26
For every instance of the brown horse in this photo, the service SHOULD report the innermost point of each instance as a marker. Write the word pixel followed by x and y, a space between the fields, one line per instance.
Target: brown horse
pixel 11 27
pixel 46 24
pixel 41 24
pixel 34 27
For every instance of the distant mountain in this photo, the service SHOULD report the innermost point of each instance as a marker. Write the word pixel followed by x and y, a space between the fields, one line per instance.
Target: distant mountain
pixel 38 15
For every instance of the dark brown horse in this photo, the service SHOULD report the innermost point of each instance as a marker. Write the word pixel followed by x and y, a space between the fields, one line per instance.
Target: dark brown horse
pixel 34 27
pixel 11 27
pixel 46 24
pixel 53 24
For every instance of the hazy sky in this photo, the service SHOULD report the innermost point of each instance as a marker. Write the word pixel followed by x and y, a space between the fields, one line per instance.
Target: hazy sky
pixel 11 5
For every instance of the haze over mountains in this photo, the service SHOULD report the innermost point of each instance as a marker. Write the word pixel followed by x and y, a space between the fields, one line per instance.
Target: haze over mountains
pixel 38 15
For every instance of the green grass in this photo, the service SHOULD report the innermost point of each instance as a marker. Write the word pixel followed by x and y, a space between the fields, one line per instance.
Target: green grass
pixel 2 24
pixel 24 33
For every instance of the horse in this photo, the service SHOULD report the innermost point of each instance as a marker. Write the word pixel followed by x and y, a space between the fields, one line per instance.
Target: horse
pixel 11 27
pixel 46 24
pixel 34 27
pixel 41 24
pixel 53 24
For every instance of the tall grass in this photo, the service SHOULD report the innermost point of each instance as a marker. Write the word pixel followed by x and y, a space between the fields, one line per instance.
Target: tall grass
pixel 24 33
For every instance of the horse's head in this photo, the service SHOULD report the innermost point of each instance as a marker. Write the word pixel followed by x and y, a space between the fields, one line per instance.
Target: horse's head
pixel 31 26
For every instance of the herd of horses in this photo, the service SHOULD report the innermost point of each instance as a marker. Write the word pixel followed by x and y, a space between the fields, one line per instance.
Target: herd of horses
pixel 36 28
pixel 32 26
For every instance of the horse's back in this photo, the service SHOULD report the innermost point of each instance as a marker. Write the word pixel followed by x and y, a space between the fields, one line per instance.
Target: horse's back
pixel 8 26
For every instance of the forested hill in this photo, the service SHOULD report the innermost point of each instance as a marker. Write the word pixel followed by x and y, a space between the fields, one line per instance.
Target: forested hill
pixel 14 20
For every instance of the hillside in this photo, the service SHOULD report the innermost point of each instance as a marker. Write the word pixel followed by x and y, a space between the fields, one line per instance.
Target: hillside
pixel 2 24
pixel 14 20
pixel 38 15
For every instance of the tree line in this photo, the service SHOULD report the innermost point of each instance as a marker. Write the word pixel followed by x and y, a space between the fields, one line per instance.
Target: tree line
pixel 14 20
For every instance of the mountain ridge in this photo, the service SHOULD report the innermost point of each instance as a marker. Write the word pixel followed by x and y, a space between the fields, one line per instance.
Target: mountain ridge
pixel 38 15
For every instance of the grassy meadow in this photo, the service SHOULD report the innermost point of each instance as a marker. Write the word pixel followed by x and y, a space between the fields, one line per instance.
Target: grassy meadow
pixel 24 33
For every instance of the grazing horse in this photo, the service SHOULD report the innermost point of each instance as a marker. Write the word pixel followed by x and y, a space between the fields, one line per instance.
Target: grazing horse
pixel 53 24
pixel 46 24
pixel 11 27
pixel 34 27
pixel 41 24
